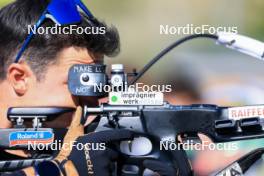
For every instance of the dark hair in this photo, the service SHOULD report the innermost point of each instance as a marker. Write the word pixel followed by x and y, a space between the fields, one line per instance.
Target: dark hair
pixel 43 49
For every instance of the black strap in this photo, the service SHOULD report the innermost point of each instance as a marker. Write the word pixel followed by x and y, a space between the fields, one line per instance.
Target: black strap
pixel 61 166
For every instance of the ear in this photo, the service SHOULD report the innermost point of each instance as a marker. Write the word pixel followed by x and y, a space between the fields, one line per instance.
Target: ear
pixel 19 76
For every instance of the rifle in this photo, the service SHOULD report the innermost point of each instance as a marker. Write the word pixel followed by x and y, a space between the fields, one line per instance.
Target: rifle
pixel 155 123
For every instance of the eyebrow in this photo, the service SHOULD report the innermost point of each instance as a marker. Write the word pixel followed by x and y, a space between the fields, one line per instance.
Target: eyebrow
pixel 99 61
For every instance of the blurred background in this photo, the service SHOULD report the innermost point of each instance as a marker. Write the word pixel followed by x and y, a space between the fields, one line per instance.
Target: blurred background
pixel 200 71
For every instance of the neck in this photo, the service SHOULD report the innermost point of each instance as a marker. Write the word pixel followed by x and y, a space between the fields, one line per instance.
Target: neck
pixel 5 102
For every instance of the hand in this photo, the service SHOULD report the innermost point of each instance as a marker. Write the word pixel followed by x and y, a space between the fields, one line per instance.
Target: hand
pixel 97 162
pixel 75 130
pixel 161 168
pixel 90 154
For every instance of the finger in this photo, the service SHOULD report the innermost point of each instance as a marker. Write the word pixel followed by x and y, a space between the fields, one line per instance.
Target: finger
pixel 160 167
pixel 111 136
pixel 204 138
pixel 76 121
pixel 76 128
pixel 90 119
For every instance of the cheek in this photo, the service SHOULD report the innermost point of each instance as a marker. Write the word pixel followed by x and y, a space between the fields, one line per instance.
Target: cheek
pixel 57 95
pixel 53 91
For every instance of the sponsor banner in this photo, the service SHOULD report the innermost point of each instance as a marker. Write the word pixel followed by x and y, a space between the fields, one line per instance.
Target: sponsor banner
pixel 237 113
pixel 135 98
pixel 26 137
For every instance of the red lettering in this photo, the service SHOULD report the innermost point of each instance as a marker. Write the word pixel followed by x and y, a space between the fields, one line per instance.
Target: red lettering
pixel 248 112
pixel 240 113
pixel 259 112
pixel 233 112
pixel 253 112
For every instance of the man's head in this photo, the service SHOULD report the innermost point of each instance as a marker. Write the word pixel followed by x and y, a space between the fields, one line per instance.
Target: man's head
pixel 40 78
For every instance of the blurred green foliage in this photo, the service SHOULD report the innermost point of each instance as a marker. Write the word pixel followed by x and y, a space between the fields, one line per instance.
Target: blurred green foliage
pixel 255 18
pixel 4 2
